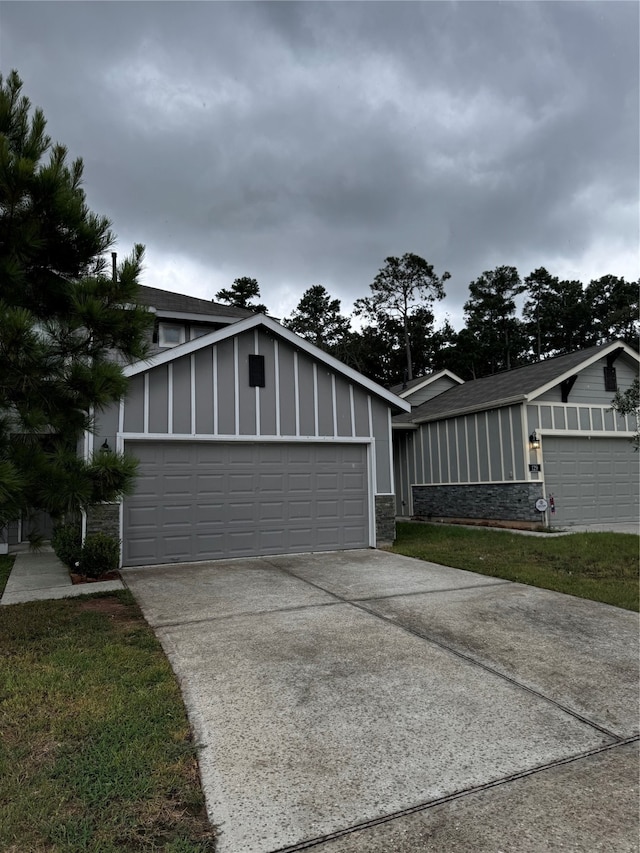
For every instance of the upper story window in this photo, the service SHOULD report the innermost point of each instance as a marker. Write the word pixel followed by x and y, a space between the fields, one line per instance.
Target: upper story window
pixel 610 381
pixel 171 334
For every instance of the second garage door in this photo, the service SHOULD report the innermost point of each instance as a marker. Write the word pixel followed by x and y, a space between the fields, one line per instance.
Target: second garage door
pixel 210 500
pixel 592 480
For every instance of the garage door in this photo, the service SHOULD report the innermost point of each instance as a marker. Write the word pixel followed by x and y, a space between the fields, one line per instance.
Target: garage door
pixel 592 479
pixel 203 501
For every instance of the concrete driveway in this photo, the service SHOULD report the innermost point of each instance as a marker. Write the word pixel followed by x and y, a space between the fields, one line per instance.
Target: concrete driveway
pixel 364 701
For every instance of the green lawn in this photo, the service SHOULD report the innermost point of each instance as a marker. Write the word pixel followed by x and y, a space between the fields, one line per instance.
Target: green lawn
pixel 95 747
pixel 599 566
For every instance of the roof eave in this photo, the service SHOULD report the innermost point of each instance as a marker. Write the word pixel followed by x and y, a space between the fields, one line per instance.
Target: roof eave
pixel 469 410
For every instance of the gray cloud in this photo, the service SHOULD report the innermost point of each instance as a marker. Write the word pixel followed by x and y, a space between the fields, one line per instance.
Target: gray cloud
pixel 302 143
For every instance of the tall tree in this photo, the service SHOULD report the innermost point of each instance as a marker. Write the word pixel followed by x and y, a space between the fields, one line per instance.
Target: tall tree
pixel 613 304
pixel 494 335
pixel 241 293
pixel 399 287
pixel 66 327
pixel 317 318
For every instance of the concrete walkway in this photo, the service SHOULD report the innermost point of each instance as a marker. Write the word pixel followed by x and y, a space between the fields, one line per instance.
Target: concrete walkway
pixel 40 576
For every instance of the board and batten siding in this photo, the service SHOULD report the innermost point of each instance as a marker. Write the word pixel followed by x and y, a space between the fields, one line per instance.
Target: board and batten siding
pixel 589 385
pixel 482 447
pixel 207 393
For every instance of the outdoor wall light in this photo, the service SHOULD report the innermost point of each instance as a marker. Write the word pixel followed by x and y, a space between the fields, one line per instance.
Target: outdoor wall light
pixel 105 446
pixel 534 441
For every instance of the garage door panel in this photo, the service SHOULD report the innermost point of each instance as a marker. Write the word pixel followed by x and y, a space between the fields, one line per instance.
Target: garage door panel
pixel 209 500
pixel 592 479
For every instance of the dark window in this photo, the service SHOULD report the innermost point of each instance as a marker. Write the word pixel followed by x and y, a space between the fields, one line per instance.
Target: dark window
pixel 256 371
pixel 610 382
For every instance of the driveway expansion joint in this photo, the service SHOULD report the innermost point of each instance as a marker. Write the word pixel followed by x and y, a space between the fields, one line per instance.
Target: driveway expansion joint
pixel 360 605
pixel 448 798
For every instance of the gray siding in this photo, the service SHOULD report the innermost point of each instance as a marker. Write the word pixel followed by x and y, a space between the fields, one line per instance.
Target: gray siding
pixel 589 386
pixel 301 398
pixel 478 448
pixel 438 386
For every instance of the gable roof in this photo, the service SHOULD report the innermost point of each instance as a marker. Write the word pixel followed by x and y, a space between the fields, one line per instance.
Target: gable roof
pixel 167 303
pixel 510 386
pixel 404 389
pixel 255 321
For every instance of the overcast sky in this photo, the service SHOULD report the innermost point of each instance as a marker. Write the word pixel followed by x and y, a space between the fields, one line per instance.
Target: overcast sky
pixel 303 143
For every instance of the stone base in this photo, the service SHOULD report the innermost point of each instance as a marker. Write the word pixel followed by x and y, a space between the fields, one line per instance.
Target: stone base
pixel 385 520
pixel 103 518
pixel 480 503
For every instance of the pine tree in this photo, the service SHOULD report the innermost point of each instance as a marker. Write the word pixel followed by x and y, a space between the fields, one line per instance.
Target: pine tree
pixel 493 337
pixel 401 286
pixel 240 294
pixel 66 327
pixel 317 318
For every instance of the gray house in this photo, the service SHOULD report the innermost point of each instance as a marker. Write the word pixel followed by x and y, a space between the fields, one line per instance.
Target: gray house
pixel 251 441
pixel 490 449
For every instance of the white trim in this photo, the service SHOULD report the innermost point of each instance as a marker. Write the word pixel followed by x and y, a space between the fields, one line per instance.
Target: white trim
pixel 214 359
pixel 392 479
pixel 478 466
pixel 334 404
pixel 352 408
pixel 584 433
pixel 370 414
pixel 237 328
pixel 83 525
pixel 256 346
pixel 524 419
pixel 145 403
pixel 315 399
pixel 169 398
pixel 428 380
pixel 371 475
pixel 236 387
pixel 476 483
pixel 276 362
pixel 121 415
pixel 192 384
pixel 296 391
pixel 249 439
pixel 164 314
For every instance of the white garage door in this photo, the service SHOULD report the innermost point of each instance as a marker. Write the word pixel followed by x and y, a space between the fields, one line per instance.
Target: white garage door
pixel 593 480
pixel 203 501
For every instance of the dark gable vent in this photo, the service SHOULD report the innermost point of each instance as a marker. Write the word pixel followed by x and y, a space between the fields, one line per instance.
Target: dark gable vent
pixel 610 381
pixel 256 371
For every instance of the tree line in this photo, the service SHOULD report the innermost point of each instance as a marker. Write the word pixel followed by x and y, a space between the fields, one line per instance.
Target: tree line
pixel 508 321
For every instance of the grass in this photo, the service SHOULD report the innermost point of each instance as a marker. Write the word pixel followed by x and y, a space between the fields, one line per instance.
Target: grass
pixel 6 564
pixel 95 749
pixel 599 566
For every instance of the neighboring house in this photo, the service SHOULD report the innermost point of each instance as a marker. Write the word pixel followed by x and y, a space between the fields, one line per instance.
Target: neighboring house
pixel 251 441
pixel 417 391
pixel 489 449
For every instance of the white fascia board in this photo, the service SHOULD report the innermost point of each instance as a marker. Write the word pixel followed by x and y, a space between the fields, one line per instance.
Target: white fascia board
pixel 201 318
pixel 614 345
pixel 428 380
pixel 271 325
pixel 470 410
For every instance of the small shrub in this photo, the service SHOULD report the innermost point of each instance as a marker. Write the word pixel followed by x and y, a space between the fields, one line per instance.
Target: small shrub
pixel 67 543
pixel 100 554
